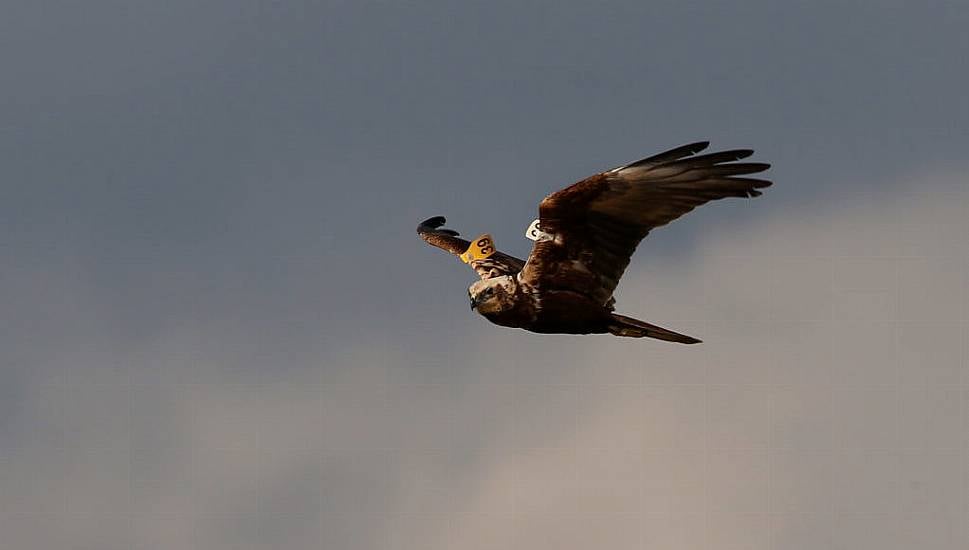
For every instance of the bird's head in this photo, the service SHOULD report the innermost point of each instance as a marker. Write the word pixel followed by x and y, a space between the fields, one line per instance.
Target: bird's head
pixel 494 295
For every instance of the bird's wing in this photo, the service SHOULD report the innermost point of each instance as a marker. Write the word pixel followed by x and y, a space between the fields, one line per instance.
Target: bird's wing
pixel 494 265
pixel 594 226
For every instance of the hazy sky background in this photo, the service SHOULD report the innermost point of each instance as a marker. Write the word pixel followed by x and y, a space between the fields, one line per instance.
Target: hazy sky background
pixel 219 330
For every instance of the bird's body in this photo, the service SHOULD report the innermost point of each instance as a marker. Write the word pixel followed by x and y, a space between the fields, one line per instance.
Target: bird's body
pixel 511 302
pixel 589 231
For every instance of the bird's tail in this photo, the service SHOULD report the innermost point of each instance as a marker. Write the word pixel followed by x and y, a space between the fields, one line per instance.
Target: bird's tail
pixel 634 328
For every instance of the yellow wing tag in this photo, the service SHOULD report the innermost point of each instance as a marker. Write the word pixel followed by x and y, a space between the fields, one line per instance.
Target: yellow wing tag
pixel 480 248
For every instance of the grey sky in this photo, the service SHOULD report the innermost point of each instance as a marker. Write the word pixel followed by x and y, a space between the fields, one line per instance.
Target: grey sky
pixel 220 331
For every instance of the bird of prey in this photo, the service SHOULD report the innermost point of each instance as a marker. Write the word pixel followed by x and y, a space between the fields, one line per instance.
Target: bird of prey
pixel 585 236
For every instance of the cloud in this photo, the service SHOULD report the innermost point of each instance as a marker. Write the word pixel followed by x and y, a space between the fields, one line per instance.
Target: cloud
pixel 825 406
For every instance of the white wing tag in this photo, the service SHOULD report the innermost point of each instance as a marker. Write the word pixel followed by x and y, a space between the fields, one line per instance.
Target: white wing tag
pixel 535 233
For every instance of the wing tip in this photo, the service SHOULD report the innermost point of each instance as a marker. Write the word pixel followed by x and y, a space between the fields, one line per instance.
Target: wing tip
pixel 674 154
pixel 697 146
pixel 686 151
pixel 431 224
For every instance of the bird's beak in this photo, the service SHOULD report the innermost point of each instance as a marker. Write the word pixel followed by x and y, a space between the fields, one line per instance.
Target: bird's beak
pixel 473 303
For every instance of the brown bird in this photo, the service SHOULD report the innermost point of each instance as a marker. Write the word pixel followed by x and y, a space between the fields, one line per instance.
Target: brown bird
pixel 585 236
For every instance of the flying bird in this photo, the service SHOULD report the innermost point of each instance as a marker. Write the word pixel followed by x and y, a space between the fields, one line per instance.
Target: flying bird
pixel 585 236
